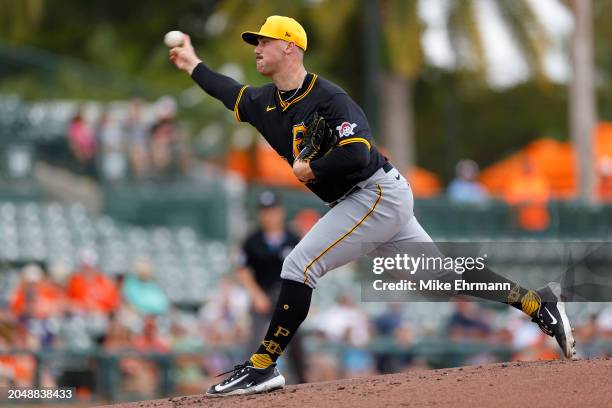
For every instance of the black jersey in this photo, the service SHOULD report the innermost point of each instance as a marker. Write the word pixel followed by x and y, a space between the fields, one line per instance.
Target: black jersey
pixel 264 260
pixel 282 123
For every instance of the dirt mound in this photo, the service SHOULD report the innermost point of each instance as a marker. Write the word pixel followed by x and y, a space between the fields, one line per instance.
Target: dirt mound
pixel 541 384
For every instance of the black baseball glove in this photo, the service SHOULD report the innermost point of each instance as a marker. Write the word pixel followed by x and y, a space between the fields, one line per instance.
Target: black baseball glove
pixel 318 140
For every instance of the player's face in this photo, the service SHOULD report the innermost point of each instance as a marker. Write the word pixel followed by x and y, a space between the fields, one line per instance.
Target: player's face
pixel 269 55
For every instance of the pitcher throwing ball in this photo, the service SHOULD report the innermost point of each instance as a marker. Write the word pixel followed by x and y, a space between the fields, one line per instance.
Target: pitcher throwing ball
pixel 324 135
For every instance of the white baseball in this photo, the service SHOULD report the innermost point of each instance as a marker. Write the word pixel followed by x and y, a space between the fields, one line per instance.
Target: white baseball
pixel 173 39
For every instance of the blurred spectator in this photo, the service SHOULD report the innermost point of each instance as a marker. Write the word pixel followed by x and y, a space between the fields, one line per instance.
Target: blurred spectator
pixel 345 323
pixel 118 337
pixel 184 336
pixel 260 264
pixel 111 148
pixel 168 154
pixel 15 369
pixel 136 135
pixel 142 292
pixel 604 323
pixel 604 186
pixel 586 334
pixel 118 341
pixel 163 138
pixel 90 289
pixel 528 193
pixel 392 324
pixel 464 188
pixel 389 321
pixel 150 340
pixel 36 296
pixel 465 323
pixel 138 361
pixel 109 137
pixel 224 317
pixel 189 376
pixel 81 139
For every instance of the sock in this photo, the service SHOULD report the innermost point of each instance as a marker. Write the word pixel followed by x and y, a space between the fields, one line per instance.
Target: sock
pixel 290 311
pixel 527 301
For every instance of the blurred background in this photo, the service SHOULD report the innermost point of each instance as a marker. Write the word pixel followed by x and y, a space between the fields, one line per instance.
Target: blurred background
pixel 126 192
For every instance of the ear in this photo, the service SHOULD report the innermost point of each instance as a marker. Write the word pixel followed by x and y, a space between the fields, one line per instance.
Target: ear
pixel 289 47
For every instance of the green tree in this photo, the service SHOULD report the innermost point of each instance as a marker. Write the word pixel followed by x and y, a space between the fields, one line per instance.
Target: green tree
pixel 403 31
pixel 19 18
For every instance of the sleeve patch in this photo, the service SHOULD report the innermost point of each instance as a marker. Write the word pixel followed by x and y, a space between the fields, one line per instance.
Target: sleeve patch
pixel 346 129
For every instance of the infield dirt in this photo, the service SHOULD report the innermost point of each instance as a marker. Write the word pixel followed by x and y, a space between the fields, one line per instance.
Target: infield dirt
pixel 534 384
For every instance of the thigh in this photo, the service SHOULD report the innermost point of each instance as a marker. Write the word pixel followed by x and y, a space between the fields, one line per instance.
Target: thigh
pixel 351 229
pixel 415 242
pixel 411 239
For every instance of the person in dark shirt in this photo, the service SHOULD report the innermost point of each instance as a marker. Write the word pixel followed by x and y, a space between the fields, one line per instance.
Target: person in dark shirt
pixel 260 262
pixel 371 202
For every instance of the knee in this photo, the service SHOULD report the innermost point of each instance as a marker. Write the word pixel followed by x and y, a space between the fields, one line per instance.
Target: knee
pixel 293 270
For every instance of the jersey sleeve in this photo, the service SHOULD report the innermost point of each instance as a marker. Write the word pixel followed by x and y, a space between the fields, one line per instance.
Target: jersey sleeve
pixel 239 98
pixel 341 161
pixel 348 121
pixel 248 107
pixel 217 85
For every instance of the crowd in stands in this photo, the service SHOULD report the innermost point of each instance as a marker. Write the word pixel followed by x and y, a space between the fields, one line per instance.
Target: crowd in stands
pixel 148 143
pixel 137 147
pixel 127 315
pixel 526 191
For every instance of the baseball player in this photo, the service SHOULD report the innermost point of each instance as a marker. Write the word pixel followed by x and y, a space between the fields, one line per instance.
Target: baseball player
pixel 371 202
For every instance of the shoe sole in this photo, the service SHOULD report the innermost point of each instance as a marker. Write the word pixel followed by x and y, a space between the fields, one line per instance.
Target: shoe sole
pixel 272 384
pixel 569 349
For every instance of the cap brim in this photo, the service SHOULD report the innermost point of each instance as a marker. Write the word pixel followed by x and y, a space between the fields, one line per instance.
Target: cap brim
pixel 250 37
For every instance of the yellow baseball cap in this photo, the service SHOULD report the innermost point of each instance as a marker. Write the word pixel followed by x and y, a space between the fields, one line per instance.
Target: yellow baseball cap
pixel 280 28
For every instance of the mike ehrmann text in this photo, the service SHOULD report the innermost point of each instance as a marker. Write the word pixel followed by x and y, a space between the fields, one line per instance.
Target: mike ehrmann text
pixel 438 285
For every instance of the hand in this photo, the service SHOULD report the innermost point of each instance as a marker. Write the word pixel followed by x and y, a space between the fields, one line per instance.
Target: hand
pixel 302 171
pixel 262 304
pixel 184 57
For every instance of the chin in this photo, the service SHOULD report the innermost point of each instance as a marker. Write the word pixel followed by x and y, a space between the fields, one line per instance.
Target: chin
pixel 263 71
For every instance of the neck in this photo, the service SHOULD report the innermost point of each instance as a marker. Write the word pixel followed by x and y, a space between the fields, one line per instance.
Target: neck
pixel 290 79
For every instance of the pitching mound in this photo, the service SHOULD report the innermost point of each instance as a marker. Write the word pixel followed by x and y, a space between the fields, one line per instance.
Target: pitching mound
pixel 542 384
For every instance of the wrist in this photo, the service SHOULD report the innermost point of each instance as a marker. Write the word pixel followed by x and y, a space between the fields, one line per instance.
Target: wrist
pixel 192 66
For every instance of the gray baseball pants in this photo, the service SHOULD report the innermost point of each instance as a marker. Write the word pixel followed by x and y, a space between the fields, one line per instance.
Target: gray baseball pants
pixel 376 220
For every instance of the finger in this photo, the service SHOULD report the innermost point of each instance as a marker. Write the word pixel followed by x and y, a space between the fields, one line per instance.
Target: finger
pixel 186 40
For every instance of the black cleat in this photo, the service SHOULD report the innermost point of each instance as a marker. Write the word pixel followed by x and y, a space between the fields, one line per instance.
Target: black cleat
pixel 552 319
pixel 246 379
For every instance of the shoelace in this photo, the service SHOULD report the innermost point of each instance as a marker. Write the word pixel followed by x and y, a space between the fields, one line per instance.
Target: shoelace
pixel 234 370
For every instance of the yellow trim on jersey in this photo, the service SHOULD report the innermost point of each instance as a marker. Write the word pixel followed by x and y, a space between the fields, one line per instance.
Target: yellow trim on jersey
pixel 380 192
pixel 285 105
pixel 236 114
pixel 355 140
